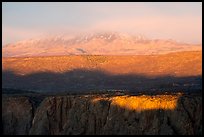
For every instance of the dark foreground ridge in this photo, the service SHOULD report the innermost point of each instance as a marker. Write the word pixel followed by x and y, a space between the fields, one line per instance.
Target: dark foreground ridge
pixel 81 80
pixel 97 114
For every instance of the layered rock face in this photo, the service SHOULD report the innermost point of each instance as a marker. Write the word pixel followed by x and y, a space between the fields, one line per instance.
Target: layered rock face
pixel 103 114
pixel 17 115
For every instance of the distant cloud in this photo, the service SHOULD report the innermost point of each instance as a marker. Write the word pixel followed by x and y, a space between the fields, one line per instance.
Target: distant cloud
pixel 13 34
pixel 179 21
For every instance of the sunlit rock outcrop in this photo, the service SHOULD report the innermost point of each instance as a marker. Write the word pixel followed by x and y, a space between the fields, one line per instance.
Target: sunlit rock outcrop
pixel 104 114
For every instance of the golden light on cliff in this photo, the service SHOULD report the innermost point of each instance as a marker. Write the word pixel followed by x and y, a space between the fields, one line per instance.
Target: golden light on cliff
pixel 143 102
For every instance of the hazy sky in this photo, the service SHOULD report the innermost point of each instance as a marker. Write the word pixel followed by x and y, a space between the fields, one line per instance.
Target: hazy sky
pixel 168 20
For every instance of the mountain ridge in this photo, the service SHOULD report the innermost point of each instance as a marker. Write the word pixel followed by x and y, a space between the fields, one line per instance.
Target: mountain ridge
pixel 95 44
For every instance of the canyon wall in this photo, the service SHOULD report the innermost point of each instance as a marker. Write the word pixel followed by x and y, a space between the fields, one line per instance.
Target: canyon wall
pixel 103 114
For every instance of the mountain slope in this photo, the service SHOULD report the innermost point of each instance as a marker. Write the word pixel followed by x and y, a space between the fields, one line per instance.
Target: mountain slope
pixel 94 44
pixel 188 63
pixel 173 71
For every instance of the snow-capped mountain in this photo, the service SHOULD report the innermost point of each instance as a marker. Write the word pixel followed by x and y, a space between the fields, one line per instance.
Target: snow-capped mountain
pixel 94 44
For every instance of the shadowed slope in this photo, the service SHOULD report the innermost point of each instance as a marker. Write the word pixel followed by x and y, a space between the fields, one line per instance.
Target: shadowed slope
pixel 86 80
pixel 175 71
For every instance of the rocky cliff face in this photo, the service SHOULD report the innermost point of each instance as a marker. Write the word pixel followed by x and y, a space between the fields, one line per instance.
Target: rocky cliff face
pixel 17 115
pixel 103 114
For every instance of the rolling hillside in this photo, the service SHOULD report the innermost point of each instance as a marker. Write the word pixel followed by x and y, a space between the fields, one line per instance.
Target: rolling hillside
pixel 173 71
